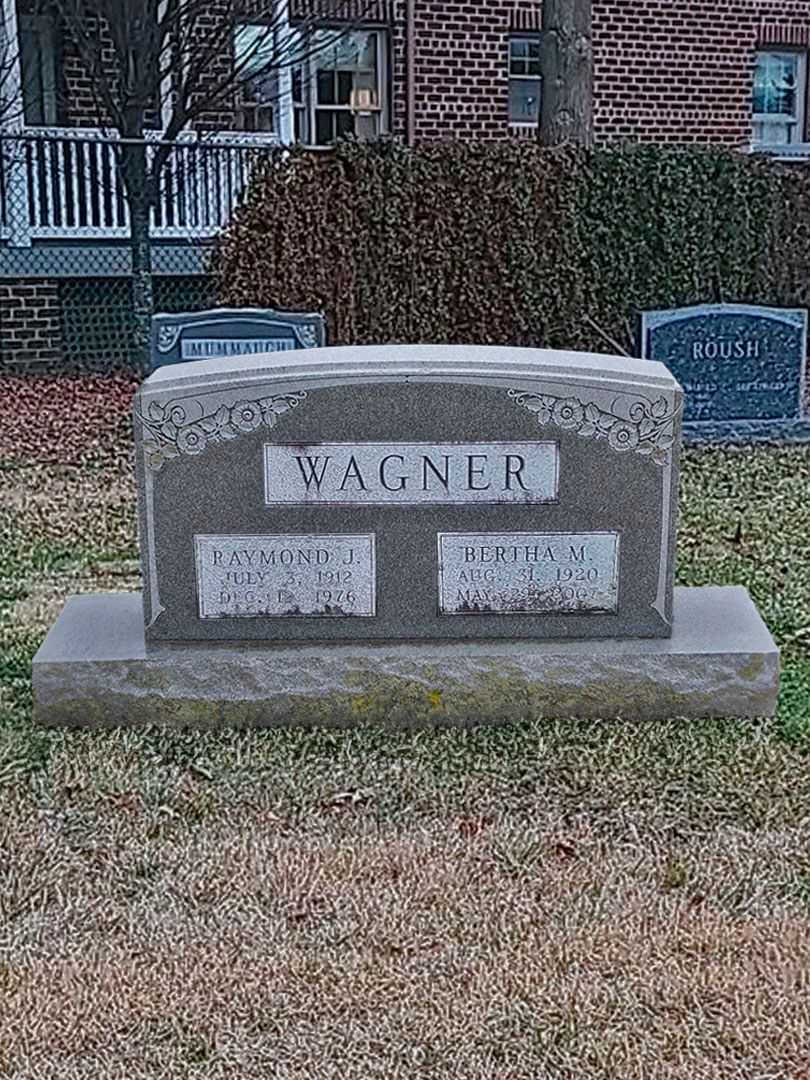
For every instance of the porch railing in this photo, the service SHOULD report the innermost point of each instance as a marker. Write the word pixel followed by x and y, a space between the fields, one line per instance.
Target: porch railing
pixel 65 184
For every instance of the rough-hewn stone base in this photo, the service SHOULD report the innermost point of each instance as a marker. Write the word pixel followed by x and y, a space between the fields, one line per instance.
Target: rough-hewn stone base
pixel 93 670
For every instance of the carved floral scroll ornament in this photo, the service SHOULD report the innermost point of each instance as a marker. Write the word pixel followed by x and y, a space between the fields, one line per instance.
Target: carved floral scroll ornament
pixel 307 335
pixel 648 427
pixel 173 434
pixel 167 337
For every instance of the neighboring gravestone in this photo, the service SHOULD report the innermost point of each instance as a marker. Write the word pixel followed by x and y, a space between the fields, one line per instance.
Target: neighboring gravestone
pixel 232 332
pixel 408 533
pixel 742 369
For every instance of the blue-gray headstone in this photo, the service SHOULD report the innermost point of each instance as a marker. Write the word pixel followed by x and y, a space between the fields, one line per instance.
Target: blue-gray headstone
pixel 224 332
pixel 735 362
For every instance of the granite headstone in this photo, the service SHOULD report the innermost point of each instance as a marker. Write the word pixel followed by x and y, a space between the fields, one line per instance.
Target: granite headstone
pixel 232 332
pixel 398 493
pixel 742 368
pixel 406 534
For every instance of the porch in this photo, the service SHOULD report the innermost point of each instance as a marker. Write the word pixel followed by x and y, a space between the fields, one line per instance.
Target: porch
pixel 63 185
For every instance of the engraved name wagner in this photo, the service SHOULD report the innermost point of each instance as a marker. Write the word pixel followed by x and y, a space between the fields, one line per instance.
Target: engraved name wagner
pixel 408 473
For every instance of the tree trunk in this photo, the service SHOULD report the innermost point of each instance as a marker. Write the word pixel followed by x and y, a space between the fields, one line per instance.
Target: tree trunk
pixel 566 53
pixel 139 201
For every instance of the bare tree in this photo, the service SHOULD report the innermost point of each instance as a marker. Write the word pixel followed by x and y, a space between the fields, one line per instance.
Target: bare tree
pixel 10 96
pixel 176 59
pixel 567 64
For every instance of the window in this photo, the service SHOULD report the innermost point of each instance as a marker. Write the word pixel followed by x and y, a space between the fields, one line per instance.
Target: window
pixel 339 89
pixel 780 84
pixel 38 69
pixel 258 92
pixel 525 81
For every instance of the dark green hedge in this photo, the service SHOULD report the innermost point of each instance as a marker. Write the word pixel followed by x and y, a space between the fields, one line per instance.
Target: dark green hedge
pixel 511 243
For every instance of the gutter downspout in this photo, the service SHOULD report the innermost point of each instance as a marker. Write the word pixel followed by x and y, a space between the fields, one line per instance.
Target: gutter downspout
pixel 410 68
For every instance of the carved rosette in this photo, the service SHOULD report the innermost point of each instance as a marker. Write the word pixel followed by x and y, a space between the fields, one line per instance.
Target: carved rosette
pixel 167 337
pixel 647 428
pixel 173 433
pixel 307 336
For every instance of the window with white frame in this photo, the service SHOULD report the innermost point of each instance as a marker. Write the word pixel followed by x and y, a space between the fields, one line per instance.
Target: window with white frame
pixel 38 68
pixel 780 88
pixel 525 80
pixel 340 87
pixel 258 83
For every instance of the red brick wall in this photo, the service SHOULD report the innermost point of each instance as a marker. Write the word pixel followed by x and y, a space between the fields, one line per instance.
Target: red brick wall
pixel 461 63
pixel 668 71
pixel 30 323
pixel 664 71
pixel 682 72
pixel 82 107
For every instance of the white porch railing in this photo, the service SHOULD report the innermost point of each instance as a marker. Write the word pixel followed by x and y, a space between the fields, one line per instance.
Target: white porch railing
pixel 65 184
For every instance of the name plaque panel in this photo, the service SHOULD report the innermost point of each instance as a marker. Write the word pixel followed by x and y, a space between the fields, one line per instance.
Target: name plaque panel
pixel 411 473
pixel 204 348
pixel 306 576
pixel 528 573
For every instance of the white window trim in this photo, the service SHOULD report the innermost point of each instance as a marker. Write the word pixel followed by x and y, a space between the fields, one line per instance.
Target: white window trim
pixel 49 71
pixel 518 36
pixel 276 105
pixel 798 121
pixel 311 88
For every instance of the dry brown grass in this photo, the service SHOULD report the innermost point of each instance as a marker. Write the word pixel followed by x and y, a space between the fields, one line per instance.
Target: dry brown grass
pixel 554 901
pixel 180 912
pixel 85 508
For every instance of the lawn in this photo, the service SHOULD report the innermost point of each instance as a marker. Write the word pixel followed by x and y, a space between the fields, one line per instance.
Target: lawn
pixel 556 899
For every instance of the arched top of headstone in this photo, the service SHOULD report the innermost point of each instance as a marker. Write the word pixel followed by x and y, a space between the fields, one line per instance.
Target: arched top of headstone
pixel 795 317
pixel 364 363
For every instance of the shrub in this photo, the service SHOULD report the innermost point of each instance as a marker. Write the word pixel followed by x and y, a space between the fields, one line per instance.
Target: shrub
pixel 510 243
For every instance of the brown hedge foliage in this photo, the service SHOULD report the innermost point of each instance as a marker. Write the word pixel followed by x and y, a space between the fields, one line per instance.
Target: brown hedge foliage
pixel 511 243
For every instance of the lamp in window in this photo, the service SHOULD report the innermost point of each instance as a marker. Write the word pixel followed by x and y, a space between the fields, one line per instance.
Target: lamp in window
pixel 363 101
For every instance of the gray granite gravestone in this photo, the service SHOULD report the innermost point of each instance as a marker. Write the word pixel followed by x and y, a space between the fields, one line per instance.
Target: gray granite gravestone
pixel 417 533
pixel 742 368
pixel 530 510
pixel 232 332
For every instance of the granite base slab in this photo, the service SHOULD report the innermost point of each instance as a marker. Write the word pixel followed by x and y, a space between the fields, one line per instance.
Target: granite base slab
pixel 93 670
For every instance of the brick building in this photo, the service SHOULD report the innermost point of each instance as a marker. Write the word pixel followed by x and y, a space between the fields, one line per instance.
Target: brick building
pixel 663 71
pixel 729 72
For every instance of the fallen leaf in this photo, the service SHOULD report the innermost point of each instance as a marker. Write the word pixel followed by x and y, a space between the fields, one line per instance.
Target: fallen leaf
pixel 345 799
pixel 474 825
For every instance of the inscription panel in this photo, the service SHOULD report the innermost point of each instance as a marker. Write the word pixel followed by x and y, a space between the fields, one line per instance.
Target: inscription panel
pixel 528 573
pixel 411 473
pixel 204 348
pixel 324 576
